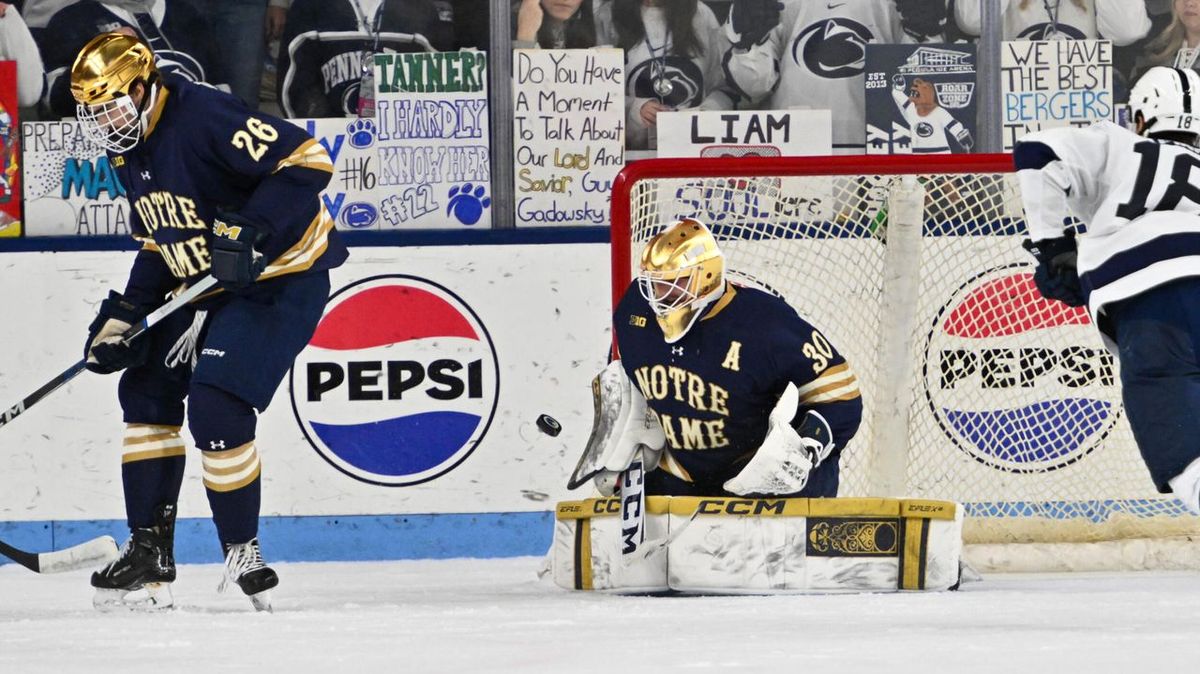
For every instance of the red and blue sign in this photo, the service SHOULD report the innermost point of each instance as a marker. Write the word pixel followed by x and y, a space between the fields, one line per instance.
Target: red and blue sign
pixel 399 383
pixel 1018 382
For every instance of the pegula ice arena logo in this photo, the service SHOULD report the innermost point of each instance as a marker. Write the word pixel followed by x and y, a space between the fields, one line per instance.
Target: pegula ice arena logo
pixel 1016 381
pixel 399 382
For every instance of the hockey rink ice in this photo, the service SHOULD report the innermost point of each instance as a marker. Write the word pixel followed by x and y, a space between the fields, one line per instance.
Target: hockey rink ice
pixel 477 616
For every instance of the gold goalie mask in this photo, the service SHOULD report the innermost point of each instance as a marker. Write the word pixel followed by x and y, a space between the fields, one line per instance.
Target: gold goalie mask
pixel 682 272
pixel 103 80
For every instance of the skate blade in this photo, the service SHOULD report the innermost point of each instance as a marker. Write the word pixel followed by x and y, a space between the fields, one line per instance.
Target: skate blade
pixel 150 597
pixel 261 601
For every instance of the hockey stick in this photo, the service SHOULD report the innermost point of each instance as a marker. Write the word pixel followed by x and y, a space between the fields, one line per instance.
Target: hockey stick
pixel 130 334
pixel 98 551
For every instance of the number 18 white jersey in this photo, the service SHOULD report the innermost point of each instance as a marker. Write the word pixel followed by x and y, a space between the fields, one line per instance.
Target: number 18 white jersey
pixel 1138 198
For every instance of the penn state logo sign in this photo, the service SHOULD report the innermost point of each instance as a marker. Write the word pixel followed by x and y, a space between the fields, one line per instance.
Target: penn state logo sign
pixel 1016 381
pixel 399 383
pixel 924 129
pixel 834 48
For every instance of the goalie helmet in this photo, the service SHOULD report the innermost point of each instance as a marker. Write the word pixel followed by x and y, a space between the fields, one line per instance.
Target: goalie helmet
pixel 1168 99
pixel 682 272
pixel 102 81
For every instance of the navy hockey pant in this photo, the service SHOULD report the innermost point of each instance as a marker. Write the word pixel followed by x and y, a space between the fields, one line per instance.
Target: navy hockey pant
pixel 1158 339
pixel 242 351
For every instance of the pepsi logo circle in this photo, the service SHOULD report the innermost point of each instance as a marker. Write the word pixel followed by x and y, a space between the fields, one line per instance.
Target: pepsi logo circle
pixel 399 383
pixel 1018 382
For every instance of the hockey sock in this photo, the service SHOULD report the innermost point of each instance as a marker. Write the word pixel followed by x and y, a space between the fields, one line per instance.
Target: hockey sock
pixel 223 426
pixel 152 460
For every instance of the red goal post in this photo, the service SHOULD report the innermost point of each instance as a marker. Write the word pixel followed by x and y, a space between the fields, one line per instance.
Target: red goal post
pixel 976 388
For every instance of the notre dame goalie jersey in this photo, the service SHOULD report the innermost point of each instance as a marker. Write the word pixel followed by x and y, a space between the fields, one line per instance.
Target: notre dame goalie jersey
pixel 714 388
pixel 204 152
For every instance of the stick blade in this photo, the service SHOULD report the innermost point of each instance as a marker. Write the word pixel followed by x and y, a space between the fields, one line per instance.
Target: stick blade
pixel 96 552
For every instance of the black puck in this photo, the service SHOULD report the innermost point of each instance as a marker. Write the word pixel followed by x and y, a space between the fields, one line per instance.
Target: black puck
pixel 549 425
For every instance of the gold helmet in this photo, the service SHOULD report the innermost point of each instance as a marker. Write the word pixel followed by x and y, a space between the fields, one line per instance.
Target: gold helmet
pixel 682 272
pixel 102 80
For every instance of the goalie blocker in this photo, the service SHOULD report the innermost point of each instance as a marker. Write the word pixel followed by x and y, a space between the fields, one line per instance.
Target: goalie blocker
pixel 759 546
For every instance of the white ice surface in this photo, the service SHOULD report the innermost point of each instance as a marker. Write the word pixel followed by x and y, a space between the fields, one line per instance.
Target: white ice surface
pixel 494 616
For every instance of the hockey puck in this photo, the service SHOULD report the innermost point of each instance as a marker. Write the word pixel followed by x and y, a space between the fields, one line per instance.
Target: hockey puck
pixel 549 425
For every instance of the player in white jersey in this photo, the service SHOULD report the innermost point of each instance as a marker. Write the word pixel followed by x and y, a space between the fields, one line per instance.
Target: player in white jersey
pixel 808 54
pixel 1122 21
pixel 1137 267
pixel 930 126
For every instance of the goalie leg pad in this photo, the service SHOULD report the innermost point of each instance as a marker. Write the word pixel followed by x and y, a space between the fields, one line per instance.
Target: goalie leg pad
pixel 761 546
pixel 590 544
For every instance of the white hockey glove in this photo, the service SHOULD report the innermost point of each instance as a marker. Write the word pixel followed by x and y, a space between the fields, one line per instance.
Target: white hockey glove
pixel 621 425
pixel 783 462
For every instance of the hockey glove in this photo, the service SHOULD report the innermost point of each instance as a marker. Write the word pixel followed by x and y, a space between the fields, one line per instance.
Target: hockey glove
pixel 105 352
pixel 1056 277
pixel 923 20
pixel 787 456
pixel 753 19
pixel 236 262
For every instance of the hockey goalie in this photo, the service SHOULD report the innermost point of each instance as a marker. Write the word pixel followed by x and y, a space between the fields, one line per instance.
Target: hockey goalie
pixel 719 431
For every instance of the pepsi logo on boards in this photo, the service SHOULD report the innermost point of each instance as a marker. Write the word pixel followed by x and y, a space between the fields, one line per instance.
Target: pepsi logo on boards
pixel 1017 381
pixel 398 384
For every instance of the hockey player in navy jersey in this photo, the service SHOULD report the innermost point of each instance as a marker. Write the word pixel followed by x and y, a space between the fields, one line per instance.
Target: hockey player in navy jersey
pixel 1137 267
pixel 216 189
pixel 750 399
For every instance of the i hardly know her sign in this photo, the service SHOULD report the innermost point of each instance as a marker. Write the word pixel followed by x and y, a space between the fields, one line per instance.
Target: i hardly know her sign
pixel 431 120
pixel 1054 84
pixel 568 133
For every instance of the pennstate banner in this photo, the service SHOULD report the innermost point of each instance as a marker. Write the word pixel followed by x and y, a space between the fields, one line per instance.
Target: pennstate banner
pixel 432 139
pixel 1054 84
pixel 70 187
pixel 920 98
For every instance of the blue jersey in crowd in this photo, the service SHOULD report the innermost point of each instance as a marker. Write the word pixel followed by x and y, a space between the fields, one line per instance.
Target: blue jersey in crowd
pixel 714 388
pixel 205 152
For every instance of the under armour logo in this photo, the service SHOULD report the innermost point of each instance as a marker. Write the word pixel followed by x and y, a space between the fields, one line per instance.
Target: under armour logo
pixel 145 175
pixel 216 444
pixel 676 350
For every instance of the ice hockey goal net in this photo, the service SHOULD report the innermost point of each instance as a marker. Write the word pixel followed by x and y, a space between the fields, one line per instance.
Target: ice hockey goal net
pixel 975 387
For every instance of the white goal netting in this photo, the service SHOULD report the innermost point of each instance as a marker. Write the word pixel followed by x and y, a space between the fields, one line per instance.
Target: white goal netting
pixel 976 388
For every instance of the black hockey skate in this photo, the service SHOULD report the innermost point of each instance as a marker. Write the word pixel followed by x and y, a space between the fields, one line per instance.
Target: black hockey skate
pixel 244 566
pixel 141 577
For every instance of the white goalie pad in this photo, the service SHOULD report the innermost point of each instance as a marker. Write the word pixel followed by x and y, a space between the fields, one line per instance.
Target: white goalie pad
pixel 762 546
pixel 621 425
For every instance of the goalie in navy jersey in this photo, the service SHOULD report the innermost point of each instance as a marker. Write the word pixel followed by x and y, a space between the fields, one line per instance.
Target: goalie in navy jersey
pixel 1137 267
pixel 214 188
pixel 746 397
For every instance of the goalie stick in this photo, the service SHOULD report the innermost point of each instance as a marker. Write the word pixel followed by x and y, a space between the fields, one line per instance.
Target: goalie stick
pixel 68 374
pixel 96 552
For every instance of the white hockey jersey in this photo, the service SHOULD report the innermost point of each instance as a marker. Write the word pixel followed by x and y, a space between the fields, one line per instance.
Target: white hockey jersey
pixel 1138 198
pixel 928 134
pixel 1122 21
pixel 696 82
pixel 815 59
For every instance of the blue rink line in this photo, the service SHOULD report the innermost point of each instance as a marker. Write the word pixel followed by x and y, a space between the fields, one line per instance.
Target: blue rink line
pixel 323 538
pixel 427 237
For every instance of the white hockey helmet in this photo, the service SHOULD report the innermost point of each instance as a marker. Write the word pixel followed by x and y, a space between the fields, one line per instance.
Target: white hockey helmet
pixel 1169 100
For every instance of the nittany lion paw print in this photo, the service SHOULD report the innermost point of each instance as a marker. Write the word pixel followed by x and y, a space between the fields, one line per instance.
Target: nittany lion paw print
pixel 467 205
pixel 362 133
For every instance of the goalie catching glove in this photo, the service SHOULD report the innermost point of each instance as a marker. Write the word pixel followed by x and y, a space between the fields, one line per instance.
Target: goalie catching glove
pixel 622 425
pixel 106 352
pixel 787 456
